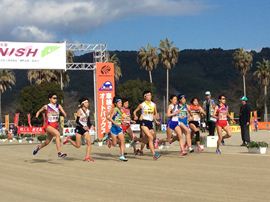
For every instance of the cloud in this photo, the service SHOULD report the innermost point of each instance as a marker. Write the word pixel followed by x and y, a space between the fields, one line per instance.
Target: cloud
pixel 31 33
pixel 46 19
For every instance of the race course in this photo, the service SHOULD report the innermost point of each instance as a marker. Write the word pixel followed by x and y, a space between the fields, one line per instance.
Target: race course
pixel 233 176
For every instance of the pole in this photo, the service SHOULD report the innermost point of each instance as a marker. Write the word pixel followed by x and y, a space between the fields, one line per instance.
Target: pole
pixel 95 102
pixel 164 111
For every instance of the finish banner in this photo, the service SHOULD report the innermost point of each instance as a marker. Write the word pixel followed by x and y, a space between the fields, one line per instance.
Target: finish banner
pixel 105 93
pixel 23 55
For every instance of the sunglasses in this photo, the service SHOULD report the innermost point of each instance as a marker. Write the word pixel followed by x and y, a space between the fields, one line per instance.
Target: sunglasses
pixel 54 98
pixel 223 98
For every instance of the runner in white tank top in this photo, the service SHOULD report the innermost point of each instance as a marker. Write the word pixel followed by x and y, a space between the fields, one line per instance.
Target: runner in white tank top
pixel 82 128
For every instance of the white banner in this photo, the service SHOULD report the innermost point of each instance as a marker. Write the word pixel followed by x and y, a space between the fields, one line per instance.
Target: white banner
pixel 23 55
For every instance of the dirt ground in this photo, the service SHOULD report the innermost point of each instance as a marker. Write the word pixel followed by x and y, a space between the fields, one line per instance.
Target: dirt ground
pixel 233 176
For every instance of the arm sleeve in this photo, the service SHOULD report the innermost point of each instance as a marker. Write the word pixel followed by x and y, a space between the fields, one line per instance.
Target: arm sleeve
pixel 78 122
pixel 89 122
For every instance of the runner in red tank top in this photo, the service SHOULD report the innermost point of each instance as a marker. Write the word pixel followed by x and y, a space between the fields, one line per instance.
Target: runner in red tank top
pixel 52 111
pixel 222 114
pixel 126 121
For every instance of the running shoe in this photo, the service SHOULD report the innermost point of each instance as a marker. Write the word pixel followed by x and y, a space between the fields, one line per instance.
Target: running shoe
pixel 133 143
pixel 66 139
pixel 61 155
pixel 88 159
pixel 223 142
pixel 105 138
pixel 36 149
pixel 156 156
pixel 139 152
pixel 199 149
pixel 218 151
pixel 156 143
pixel 190 150
pixel 123 158
pixel 109 143
pixel 183 153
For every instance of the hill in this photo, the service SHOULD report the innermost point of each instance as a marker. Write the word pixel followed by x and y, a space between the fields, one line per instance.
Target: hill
pixel 196 72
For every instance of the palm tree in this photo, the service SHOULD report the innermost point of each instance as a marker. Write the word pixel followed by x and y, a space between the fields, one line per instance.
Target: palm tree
pixel 169 57
pixel 7 79
pixel 41 76
pixel 148 59
pixel 263 74
pixel 242 61
pixel 117 66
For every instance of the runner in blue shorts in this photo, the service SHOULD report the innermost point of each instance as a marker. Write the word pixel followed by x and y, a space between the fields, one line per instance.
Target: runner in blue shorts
pixel 183 117
pixel 115 117
pixel 173 125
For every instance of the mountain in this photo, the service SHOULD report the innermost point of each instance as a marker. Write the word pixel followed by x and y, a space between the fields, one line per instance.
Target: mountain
pixel 196 72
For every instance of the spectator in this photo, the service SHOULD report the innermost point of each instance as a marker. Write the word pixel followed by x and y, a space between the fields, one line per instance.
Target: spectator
pixel 209 107
pixel 244 121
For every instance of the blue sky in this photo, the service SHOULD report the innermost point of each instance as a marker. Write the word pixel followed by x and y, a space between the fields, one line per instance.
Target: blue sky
pixel 131 24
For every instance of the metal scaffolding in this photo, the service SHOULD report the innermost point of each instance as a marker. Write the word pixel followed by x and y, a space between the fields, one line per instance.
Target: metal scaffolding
pixel 99 55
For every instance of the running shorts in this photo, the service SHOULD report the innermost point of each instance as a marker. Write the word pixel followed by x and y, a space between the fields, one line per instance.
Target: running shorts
pixel 222 123
pixel 125 127
pixel 148 124
pixel 196 123
pixel 52 124
pixel 184 121
pixel 116 130
pixel 80 130
pixel 172 124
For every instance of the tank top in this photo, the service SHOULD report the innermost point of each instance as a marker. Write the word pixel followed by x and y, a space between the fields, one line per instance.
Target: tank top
pixel 126 118
pixel 183 114
pixel 195 112
pixel 148 109
pixel 222 112
pixel 84 117
pixel 173 108
pixel 52 113
pixel 117 117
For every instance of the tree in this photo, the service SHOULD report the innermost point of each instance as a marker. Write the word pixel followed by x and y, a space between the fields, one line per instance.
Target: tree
pixel 242 61
pixel 133 89
pixel 169 57
pixel 41 76
pixel 263 74
pixel 35 96
pixel 7 79
pixel 148 59
pixel 117 66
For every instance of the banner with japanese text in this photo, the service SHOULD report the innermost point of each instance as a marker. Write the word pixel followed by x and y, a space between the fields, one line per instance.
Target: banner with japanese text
pixel 105 93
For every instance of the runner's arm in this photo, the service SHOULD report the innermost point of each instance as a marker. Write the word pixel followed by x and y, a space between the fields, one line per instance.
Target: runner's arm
pixel 135 112
pixel 155 115
pixel 202 111
pixel 110 115
pixel 62 111
pixel 215 113
pixel 44 108
pixel 169 112
pixel 78 114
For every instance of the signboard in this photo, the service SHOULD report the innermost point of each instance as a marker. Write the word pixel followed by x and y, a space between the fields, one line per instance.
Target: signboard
pixel 68 131
pixel 23 55
pixel 31 130
pixel 105 89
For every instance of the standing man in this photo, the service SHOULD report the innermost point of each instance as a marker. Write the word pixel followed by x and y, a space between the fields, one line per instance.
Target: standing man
pixel 209 107
pixel 244 121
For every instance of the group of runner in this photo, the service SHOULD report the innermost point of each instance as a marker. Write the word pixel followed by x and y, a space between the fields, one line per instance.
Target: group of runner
pixel 183 123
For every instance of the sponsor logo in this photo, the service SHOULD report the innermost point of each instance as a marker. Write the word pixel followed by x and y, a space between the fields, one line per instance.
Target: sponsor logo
pixel 48 50
pixel 105 69
pixel 107 86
